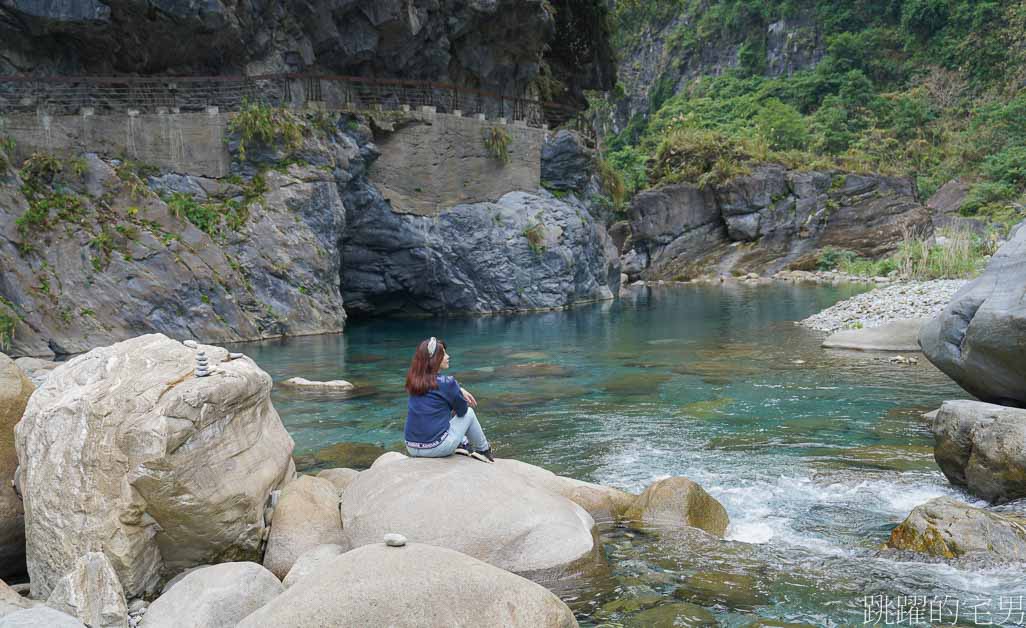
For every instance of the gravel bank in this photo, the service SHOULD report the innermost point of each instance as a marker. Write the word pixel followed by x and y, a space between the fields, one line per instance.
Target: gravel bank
pixel 915 299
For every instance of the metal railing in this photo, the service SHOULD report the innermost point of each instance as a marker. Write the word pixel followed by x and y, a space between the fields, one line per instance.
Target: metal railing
pixel 69 95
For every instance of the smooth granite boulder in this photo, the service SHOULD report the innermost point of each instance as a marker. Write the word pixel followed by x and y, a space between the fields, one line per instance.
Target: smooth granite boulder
pixel 982 447
pixel 11 601
pixel 513 524
pixel 340 478
pixel 15 390
pixel 979 340
pixel 157 468
pixel 415 586
pixel 40 617
pixel 310 561
pixel 218 596
pixel 91 592
pixel 948 528
pixel 602 502
pixel 306 516
pixel 676 502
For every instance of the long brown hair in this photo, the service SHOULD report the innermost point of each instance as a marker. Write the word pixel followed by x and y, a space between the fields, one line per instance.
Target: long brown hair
pixel 424 368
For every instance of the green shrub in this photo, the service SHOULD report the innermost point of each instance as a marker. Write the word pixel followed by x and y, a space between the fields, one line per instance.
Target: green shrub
pixel 7 325
pixel 497 141
pixel 612 182
pixel 831 258
pixel 257 123
pixel 204 216
pixel 781 125
pixel 984 194
pixel 699 156
pixel 535 235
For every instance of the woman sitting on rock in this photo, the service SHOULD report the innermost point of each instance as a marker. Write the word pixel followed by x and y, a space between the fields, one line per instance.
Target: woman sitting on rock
pixel 440 420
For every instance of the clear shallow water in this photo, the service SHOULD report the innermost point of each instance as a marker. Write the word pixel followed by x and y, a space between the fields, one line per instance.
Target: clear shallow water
pixel 815 454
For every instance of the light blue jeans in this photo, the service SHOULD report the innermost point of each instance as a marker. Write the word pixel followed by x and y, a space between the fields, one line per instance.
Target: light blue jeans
pixel 459 426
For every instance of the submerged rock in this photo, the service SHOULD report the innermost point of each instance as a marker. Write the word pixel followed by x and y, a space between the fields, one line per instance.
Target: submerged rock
pixel 413 586
pixel 893 336
pixel 672 616
pixel 948 528
pixel 710 588
pixel 982 447
pixel 15 390
pixel 306 516
pixel 675 502
pixel 513 523
pixel 348 455
pixel 160 469
pixel 978 339
pixel 217 596
pixel 335 385
pixel 91 592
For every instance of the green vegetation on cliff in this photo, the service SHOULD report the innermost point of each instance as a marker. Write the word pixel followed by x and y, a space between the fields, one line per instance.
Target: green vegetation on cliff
pixel 927 88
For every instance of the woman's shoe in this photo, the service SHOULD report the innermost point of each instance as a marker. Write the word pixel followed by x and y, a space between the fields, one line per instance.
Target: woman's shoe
pixel 463 449
pixel 483 456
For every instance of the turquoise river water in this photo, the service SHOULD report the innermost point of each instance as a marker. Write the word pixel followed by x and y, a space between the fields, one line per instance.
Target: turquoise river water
pixel 815 454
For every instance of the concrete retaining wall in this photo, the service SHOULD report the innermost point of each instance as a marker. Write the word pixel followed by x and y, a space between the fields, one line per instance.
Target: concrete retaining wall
pixel 435 161
pixel 186 143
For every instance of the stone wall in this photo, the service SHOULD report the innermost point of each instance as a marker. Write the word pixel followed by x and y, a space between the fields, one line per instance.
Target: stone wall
pixel 186 143
pixel 433 161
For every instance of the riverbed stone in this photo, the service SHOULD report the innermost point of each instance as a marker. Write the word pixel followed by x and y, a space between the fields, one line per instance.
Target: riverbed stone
pixel 900 335
pixel 518 526
pixel 91 592
pixel 334 385
pixel 15 390
pixel 217 596
pixel 339 478
pixel 349 455
pixel 735 591
pixel 416 585
pixel 980 337
pixel 982 447
pixel 306 516
pixel 675 502
pixel 158 469
pixel 948 528
pixel 40 617
pixel 672 616
pixel 310 561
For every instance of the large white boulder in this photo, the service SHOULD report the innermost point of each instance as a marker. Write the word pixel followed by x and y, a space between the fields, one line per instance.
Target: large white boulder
pixel 92 593
pixel 39 617
pixel 218 596
pixel 602 502
pixel 484 510
pixel 412 586
pixel 310 561
pixel 306 516
pixel 15 390
pixel 125 451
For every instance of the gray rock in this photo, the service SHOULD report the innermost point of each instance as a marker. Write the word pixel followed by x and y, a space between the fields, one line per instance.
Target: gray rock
pixel 310 561
pixel 982 447
pixel 566 164
pixel 412 586
pixel 171 183
pixel 91 592
pixel 335 385
pixel 528 529
pixel 524 252
pixel 948 199
pixel 15 390
pixel 979 338
pixel 948 528
pixel 218 596
pixel 306 516
pixel 675 502
pixel 11 601
pixel 39 617
pixel 340 478
pixel 162 470
pixel 602 502
pixel 36 369
pixel 894 336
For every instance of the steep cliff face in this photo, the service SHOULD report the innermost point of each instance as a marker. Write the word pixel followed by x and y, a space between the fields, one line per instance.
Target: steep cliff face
pixel 767 221
pixel 497 45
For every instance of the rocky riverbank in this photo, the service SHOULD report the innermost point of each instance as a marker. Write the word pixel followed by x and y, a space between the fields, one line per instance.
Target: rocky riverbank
pixel 901 301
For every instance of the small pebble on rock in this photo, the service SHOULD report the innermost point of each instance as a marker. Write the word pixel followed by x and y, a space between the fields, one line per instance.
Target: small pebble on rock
pixel 192 344
pixel 395 540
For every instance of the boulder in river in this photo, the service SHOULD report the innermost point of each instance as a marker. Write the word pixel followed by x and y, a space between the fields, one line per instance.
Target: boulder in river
pixel 157 468
pixel 15 390
pixel 217 596
pixel 892 336
pixel 602 502
pixel 980 338
pixel 306 516
pixel 675 502
pixel 982 447
pixel 412 586
pixel 948 528
pixel 91 592
pixel 484 510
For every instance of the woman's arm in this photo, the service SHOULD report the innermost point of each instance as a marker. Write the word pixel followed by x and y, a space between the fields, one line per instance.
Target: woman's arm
pixel 471 401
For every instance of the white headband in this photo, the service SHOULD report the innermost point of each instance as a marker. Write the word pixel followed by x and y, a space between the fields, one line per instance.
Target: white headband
pixel 432 346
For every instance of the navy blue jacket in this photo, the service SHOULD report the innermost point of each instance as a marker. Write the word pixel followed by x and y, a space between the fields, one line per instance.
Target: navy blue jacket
pixel 428 415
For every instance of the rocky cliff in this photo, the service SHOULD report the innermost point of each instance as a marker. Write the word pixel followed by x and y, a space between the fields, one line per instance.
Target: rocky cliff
pixel 765 221
pixel 499 45
pixel 94 251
